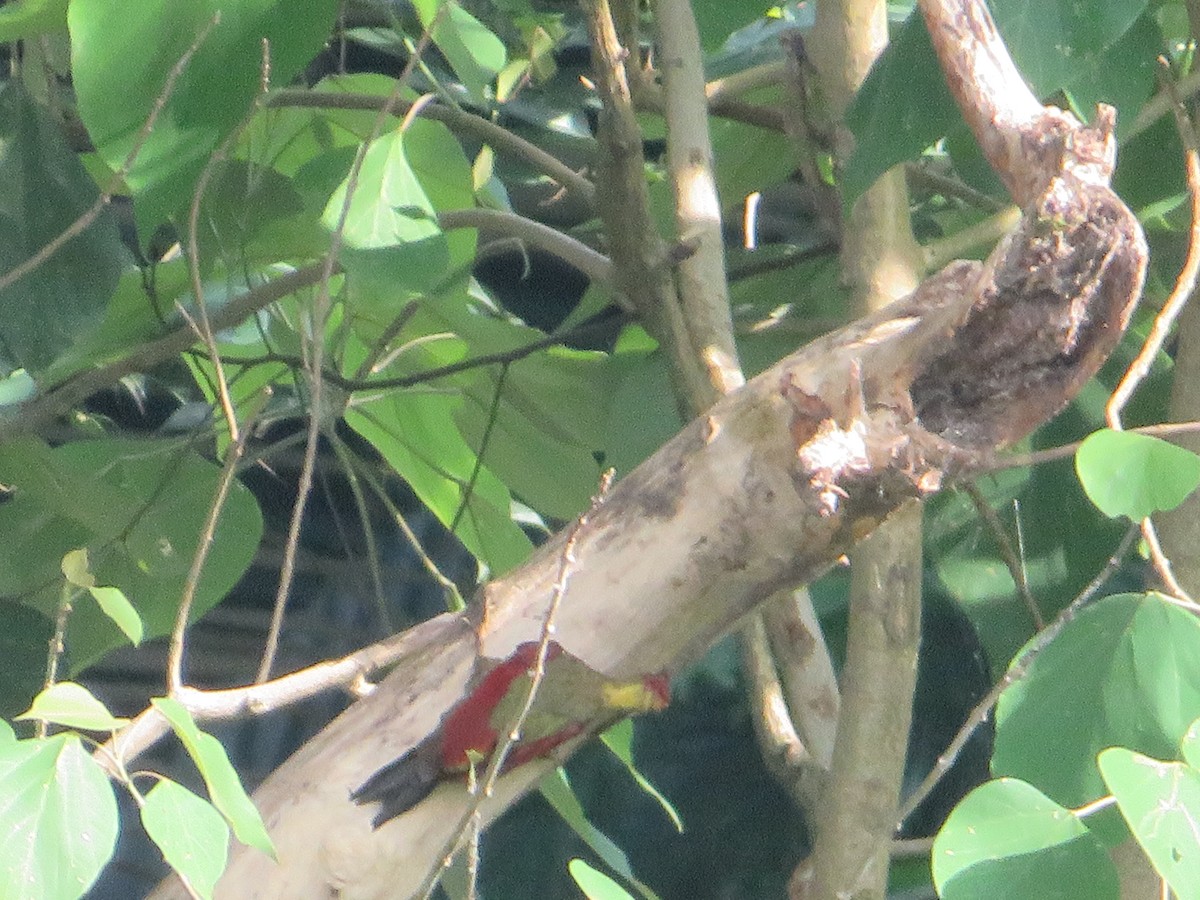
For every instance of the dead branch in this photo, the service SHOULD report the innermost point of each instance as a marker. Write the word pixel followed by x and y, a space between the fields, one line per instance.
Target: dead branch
pixel 768 489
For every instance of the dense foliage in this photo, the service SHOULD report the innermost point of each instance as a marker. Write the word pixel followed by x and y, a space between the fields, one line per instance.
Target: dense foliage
pixel 323 185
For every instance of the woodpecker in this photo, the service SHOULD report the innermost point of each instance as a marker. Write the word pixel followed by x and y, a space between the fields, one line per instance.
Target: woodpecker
pixel 570 699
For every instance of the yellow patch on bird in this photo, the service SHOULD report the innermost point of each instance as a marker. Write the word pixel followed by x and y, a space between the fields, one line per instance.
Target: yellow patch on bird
pixel 631 697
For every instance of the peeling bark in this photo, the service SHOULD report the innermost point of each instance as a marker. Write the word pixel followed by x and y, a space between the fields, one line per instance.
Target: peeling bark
pixel 766 490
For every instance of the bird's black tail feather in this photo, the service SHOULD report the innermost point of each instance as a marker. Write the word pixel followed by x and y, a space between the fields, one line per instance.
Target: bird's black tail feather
pixel 402 784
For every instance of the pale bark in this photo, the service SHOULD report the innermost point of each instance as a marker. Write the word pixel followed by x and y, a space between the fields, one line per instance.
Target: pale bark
pixel 855 817
pixel 767 489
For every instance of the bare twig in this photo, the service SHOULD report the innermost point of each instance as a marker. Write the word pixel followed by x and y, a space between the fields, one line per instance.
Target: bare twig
pixel 353 463
pixel 1008 553
pixel 591 263
pixel 779 743
pixel 700 278
pixel 176 650
pixel 203 327
pixel 1051 454
pixel 962 242
pixel 258 699
pixel 880 261
pixel 79 225
pixel 57 644
pixel 493 413
pixel 641 260
pixel 1015 673
pixel 475 362
pixel 42 409
pixel 319 317
pixel 458 120
pixel 537 673
pixel 806 672
pixel 1185 285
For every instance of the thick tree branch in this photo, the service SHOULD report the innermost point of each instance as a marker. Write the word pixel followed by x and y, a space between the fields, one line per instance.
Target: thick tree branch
pixel 880 261
pixel 767 489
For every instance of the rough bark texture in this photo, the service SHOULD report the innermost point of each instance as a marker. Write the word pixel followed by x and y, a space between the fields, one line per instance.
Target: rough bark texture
pixel 768 489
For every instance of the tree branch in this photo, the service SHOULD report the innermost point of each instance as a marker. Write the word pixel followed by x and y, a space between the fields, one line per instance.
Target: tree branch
pixel 768 488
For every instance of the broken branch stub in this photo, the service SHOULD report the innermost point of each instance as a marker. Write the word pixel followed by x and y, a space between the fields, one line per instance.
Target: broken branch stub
pixel 766 490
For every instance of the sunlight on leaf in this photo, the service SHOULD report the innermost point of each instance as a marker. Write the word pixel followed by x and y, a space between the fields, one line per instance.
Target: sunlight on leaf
pixel 61 803
pixel 1161 803
pixel 595 884
pixel 74 706
pixel 191 834
pixel 1135 475
pixel 224 785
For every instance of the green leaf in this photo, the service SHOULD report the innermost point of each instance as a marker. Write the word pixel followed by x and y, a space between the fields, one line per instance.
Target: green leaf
pixel 1161 803
pixel 117 607
pixel 191 834
pixel 902 107
pixel 139 506
pixel 392 237
pixel 716 21
pixel 548 425
pixel 29 18
pixel 112 600
pixel 475 54
pixel 1135 475
pixel 1125 672
pixel 224 786
pixel 76 570
pixel 120 65
pixel 1052 40
pixel 1123 76
pixel 558 793
pixel 1190 745
pixel 595 884
pixel 619 739
pixel 415 433
pixel 59 813
pixel 389 206
pixel 24 635
pixel 1007 840
pixel 45 190
pixel 72 705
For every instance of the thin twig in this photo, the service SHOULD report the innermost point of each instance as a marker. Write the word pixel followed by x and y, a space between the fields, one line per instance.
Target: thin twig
pixel 41 410
pixel 595 265
pixel 57 644
pixel 178 645
pixel 391 331
pixel 202 326
pixel 453 594
pixel 319 317
pixel 364 522
pixel 258 699
pixel 80 224
pixel 401 381
pixel 457 119
pixel 1015 673
pixel 1008 552
pixel 537 673
pixel 468 489
pixel 780 745
pixel 1063 451
pixel 1185 285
